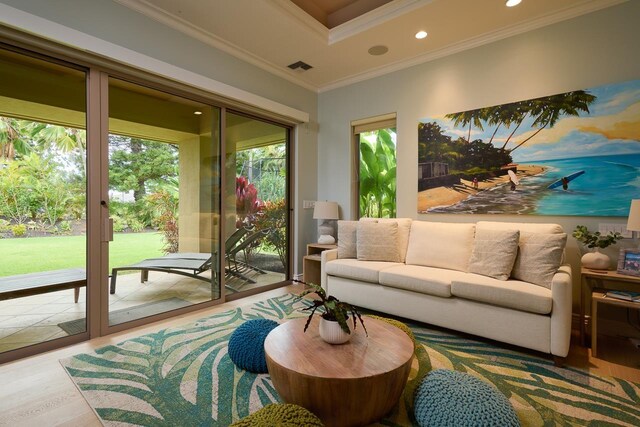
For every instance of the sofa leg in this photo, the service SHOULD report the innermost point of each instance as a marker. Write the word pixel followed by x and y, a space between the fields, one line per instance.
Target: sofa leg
pixel 559 361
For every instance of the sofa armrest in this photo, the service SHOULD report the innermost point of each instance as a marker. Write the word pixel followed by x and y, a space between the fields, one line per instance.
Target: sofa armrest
pixel 561 311
pixel 325 257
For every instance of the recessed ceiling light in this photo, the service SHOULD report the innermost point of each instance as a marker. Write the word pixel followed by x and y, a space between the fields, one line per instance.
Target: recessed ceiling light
pixel 378 50
pixel 421 34
pixel 197 113
pixel 511 3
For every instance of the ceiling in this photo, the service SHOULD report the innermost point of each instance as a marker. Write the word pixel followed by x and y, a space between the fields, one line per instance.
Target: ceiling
pixel 272 34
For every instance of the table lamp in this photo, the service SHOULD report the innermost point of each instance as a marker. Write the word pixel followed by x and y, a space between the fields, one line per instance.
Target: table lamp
pixel 633 223
pixel 326 211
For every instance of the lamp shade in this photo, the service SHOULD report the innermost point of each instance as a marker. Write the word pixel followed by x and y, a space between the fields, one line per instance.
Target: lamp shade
pixel 633 223
pixel 325 210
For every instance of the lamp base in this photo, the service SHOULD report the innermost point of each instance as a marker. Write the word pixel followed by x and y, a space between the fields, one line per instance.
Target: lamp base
pixel 326 239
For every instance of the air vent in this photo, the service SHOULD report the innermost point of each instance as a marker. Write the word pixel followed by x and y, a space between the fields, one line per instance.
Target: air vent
pixel 300 64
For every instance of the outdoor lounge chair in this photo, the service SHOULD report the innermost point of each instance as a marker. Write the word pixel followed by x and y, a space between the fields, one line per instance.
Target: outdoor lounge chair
pixel 189 264
pixel 239 268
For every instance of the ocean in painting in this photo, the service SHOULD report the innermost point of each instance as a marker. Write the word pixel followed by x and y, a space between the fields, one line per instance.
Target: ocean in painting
pixel 605 189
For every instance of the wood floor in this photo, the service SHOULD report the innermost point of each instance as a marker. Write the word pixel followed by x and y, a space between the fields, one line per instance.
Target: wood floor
pixel 37 391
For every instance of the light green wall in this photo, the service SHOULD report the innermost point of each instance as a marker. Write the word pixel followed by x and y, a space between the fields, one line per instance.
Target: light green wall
pixel 587 51
pixel 112 22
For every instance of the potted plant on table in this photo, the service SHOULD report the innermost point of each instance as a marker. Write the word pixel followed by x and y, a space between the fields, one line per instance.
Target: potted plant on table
pixel 595 260
pixel 334 325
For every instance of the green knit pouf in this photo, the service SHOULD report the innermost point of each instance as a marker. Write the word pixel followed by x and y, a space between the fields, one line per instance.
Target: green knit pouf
pixel 452 398
pixel 282 415
pixel 397 324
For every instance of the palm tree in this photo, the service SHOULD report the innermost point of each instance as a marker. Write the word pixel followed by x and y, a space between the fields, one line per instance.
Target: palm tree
pixel 15 137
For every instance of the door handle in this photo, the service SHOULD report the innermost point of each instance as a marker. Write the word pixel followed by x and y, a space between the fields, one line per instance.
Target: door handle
pixel 107 230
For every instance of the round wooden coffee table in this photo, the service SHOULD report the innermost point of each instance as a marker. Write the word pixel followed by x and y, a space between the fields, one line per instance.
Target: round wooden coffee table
pixel 350 384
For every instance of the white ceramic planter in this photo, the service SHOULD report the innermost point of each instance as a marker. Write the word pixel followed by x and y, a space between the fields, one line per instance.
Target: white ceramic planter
pixel 331 332
pixel 596 260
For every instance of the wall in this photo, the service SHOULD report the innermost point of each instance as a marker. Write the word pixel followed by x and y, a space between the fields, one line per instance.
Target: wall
pixel 587 51
pixel 117 24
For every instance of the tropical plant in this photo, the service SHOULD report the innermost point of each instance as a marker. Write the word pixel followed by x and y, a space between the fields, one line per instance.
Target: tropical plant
pixel 596 239
pixel 247 203
pixel 332 308
pixel 166 209
pixel 273 216
pixel 378 174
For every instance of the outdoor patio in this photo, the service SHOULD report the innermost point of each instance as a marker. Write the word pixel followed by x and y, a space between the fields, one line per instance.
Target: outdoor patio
pixel 35 319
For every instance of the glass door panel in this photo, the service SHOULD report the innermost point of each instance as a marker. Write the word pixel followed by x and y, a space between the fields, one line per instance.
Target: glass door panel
pixel 164 163
pixel 43 187
pixel 256 204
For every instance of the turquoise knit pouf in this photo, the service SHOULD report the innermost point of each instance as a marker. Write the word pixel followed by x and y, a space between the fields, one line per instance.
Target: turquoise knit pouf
pixel 246 345
pixel 451 398
pixel 281 415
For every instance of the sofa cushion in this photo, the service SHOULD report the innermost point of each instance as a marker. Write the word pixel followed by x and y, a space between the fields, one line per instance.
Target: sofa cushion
pixel 365 271
pixel 347 239
pixel 404 228
pixel 425 280
pixel 494 252
pixel 513 294
pixel 539 257
pixel 440 244
pixel 378 241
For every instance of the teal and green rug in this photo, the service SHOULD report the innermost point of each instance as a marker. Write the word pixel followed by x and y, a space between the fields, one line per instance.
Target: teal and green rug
pixel 183 377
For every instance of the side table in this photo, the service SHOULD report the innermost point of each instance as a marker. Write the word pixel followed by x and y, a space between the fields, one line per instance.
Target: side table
pixel 598 296
pixel 311 262
pixel 591 279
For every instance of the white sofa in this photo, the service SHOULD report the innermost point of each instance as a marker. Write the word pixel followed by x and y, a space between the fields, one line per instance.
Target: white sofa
pixel 431 283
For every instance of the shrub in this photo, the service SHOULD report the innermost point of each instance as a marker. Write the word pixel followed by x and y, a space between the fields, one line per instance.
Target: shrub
pixel 19 230
pixel 5 226
pixel 118 224
pixel 274 217
pixel 166 208
pixel 65 227
pixel 135 225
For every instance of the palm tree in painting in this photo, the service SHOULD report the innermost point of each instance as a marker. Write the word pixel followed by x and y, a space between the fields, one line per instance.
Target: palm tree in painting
pixel 547 111
pixel 471 117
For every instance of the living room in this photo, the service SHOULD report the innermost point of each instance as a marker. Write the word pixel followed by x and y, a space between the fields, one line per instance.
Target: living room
pixel 588 45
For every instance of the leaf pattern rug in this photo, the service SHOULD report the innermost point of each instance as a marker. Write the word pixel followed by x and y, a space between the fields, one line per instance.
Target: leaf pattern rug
pixel 183 376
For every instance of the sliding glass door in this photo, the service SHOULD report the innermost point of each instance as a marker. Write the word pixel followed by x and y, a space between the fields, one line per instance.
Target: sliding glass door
pixel 256 204
pixel 164 202
pixel 43 193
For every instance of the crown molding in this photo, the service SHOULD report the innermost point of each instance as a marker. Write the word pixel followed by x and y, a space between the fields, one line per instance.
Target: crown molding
pixel 474 42
pixel 374 18
pixel 185 27
pixel 25 22
pixel 303 18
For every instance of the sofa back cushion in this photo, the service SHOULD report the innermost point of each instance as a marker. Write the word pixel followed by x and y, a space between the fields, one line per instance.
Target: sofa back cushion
pixel 494 252
pixel 378 241
pixel 404 228
pixel 347 239
pixel 440 244
pixel 540 250
pixel 539 257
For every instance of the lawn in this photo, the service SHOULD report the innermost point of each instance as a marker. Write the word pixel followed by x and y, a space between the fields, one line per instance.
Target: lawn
pixel 34 254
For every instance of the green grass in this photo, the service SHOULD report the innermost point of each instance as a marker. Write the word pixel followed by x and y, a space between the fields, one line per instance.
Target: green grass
pixel 34 254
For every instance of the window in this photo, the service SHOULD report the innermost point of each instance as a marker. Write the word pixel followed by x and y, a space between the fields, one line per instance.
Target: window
pixel 376 167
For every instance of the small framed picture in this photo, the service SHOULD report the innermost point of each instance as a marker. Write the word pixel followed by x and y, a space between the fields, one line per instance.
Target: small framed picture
pixel 629 262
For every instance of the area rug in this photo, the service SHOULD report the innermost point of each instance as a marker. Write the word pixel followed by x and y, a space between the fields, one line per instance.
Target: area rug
pixel 184 376
pixel 116 317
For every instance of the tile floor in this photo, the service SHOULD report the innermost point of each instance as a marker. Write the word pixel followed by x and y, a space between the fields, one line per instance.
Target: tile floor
pixel 30 320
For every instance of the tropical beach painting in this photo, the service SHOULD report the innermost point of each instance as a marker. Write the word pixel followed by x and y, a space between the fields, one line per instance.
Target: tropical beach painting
pixel 574 153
